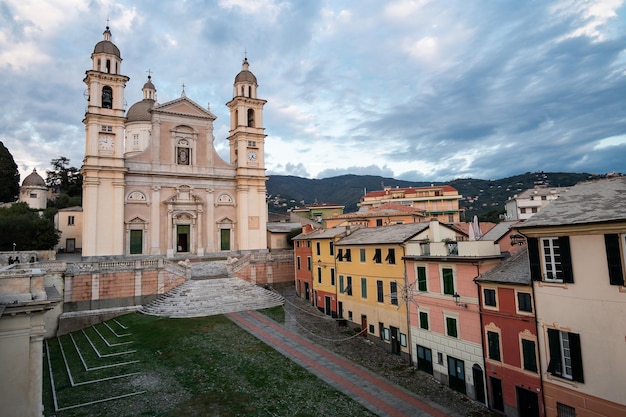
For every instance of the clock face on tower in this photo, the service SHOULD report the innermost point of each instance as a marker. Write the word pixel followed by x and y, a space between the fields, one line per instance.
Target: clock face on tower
pixel 106 143
pixel 251 156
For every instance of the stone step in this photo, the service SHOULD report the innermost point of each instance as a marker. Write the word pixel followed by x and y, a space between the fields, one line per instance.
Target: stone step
pixel 206 297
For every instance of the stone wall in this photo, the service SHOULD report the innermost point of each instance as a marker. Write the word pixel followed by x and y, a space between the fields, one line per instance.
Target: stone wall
pixel 274 268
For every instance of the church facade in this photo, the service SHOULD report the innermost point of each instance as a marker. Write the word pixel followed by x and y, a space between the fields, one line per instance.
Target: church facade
pixel 153 183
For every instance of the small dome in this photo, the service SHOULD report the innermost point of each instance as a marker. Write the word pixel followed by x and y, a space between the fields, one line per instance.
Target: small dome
pixel 140 111
pixel 149 85
pixel 33 180
pixel 106 46
pixel 245 76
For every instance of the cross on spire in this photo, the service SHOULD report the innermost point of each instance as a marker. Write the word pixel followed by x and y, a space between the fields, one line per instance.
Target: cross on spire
pixel 183 93
pixel 150 74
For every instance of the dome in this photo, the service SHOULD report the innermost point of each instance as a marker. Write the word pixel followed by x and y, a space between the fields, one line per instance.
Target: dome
pixel 149 85
pixel 106 46
pixel 245 76
pixel 140 111
pixel 33 180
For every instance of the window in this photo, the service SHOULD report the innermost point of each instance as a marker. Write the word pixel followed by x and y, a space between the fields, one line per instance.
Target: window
pixel 421 279
pixel 332 276
pixel 331 248
pixel 135 140
pixel 33 195
pixel 391 256
pixel 552 256
pixel 451 329
pixel 393 287
pixel 183 153
pixel 252 144
pixel 493 343
pixel 106 128
pixel 424 320
pixel 364 288
pixel 341 287
pixel 298 261
pixel 340 254
pixel 348 255
pixel 70 220
pixel 524 302
pixel 448 281
pixel 380 296
pixel 565 355
pixel 378 256
pixel 319 275
pixel 318 248
pixel 552 259
pixel 379 222
pixel 250 118
pixel 543 198
pixel 349 285
pixel 424 359
pixel 107 97
pixel 490 297
pixel 308 263
pixel 308 243
pixel 563 410
pixel 362 255
pixel 534 209
pixel 529 355
pixel 614 259
pixel 522 210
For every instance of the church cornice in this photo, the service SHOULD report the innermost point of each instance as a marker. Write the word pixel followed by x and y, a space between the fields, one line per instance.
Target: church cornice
pixel 163 109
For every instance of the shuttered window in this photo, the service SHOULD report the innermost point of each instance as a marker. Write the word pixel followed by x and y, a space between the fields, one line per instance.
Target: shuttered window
pixel 614 259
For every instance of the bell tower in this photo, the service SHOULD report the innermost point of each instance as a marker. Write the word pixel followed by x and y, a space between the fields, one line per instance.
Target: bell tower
pixel 247 154
pixel 103 166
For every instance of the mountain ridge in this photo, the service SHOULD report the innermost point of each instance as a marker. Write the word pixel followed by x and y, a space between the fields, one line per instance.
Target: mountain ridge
pixel 484 198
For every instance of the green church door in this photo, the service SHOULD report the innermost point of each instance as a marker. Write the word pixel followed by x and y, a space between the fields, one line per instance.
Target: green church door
pixel 224 239
pixel 136 242
pixel 183 231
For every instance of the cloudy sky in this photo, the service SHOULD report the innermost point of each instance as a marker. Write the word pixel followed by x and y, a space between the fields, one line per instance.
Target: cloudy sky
pixel 412 89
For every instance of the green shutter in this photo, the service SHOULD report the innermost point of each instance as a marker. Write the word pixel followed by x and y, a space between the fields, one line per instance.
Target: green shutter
pixel 421 278
pixel 534 258
pixel 577 357
pixel 448 281
pixel 566 259
pixel 530 357
pixel 614 259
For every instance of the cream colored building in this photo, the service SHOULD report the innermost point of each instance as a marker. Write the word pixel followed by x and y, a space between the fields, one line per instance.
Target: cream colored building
pixel 69 221
pixel 522 206
pixel 576 248
pixel 153 183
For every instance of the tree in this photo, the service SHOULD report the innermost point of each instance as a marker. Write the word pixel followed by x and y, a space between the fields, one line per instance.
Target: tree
pixel 24 227
pixel 9 176
pixel 66 181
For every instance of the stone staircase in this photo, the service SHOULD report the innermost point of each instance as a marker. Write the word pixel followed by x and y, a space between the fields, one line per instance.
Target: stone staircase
pixel 208 293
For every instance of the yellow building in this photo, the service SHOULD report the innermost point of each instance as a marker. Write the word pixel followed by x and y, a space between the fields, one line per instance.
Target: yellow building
pixel 371 280
pixel 324 268
pixel 69 221
pixel 319 212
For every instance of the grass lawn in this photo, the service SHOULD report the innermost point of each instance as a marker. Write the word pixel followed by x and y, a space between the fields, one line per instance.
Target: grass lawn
pixel 182 367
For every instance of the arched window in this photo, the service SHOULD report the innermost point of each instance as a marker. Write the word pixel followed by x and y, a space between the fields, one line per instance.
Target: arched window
pixel 107 97
pixel 108 68
pixel 99 64
pixel 242 90
pixel 250 118
pixel 183 153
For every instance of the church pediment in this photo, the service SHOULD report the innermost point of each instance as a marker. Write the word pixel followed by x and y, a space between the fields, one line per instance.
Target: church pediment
pixel 183 106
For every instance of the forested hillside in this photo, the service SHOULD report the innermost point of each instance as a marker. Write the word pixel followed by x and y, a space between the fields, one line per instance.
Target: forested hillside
pixel 485 198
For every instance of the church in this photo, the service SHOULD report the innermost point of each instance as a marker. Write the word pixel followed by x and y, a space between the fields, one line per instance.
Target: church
pixel 153 183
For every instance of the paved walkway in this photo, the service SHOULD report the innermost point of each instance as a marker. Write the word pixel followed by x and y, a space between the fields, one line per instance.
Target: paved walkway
pixel 369 389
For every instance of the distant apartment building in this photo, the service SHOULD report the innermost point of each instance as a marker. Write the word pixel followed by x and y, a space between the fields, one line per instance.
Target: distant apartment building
pixel 437 202
pixel 383 215
pixel 510 338
pixel 576 251
pixel 522 206
pixel 446 332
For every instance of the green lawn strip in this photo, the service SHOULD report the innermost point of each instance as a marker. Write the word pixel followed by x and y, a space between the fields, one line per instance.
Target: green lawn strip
pixel 206 366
